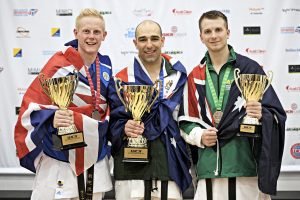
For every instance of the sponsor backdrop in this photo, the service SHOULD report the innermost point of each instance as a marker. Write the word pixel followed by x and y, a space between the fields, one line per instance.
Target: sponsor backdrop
pixel 32 31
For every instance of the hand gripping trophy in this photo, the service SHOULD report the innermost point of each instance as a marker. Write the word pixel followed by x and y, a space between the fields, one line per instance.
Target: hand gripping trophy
pixel 252 87
pixel 137 99
pixel 61 90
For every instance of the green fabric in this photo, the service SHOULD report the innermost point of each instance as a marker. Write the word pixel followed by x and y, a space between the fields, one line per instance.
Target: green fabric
pixel 236 158
pixel 157 168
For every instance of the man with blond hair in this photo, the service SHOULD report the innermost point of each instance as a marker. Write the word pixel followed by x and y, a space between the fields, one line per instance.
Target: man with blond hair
pixel 60 174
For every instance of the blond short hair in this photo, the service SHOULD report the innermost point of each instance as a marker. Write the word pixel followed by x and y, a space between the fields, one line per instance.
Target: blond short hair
pixel 89 12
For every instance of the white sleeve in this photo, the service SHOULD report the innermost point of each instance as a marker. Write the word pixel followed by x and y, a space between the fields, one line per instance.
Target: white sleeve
pixel 194 138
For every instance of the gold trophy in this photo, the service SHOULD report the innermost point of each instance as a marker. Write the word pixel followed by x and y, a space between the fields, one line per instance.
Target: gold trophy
pixel 61 91
pixel 137 99
pixel 252 88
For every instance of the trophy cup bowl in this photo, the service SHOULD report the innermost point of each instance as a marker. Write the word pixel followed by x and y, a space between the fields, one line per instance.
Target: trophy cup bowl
pixel 252 88
pixel 61 90
pixel 137 99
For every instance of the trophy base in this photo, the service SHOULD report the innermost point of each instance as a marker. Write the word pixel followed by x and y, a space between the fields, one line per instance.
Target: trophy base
pixel 136 154
pixel 249 130
pixel 68 141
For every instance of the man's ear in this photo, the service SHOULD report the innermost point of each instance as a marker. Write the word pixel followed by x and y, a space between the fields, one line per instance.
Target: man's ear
pixel 75 33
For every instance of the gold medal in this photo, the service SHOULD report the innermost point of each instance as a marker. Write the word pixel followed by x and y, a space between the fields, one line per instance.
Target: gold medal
pixel 218 116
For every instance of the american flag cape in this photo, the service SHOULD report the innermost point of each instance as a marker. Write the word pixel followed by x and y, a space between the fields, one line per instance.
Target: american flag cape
pixel 34 126
pixel 195 108
pixel 158 123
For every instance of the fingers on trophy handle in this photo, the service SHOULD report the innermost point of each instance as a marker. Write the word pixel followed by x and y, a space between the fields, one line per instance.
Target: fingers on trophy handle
pixel 119 87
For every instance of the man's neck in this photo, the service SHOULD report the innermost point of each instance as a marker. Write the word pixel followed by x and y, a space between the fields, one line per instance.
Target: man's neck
pixel 218 59
pixel 153 69
pixel 88 59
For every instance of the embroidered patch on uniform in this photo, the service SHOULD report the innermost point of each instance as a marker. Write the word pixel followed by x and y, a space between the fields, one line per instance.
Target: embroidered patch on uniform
pixel 105 76
pixel 169 84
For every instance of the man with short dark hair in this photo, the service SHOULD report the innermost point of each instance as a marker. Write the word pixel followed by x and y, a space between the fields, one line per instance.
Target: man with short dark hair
pixel 166 174
pixel 228 166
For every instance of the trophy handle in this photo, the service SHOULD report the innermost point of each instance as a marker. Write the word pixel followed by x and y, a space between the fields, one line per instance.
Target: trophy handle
pixel 42 80
pixel 118 86
pixel 75 72
pixel 157 84
pixel 269 78
pixel 236 74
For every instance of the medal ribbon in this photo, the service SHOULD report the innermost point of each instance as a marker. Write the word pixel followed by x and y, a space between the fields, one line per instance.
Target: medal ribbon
pixel 161 77
pixel 217 101
pixel 96 97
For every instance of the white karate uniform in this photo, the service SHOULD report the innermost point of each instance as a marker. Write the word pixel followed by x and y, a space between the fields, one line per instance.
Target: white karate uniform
pixel 134 190
pixel 50 171
pixel 246 189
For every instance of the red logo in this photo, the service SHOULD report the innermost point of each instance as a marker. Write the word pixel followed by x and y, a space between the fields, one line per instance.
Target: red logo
pixel 292 88
pixel 295 151
pixel 255 51
pixel 181 12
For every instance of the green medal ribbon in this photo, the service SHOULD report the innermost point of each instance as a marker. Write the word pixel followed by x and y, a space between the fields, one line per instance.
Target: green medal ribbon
pixel 217 101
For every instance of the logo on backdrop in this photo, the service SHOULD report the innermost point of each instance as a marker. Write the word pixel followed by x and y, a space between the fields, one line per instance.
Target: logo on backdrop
pixel 255 51
pixel 225 11
pixel 105 12
pixel 251 30
pixel 174 32
pixel 292 88
pixel 293 129
pixel 295 151
pixel 256 11
pixel 294 68
pixel 290 29
pixel 130 32
pixel 181 12
pixel 291 10
pixel 129 53
pixel 64 12
pixel 17 52
pixel 55 32
pixel 142 12
pixel 25 12
pixel 34 70
pixel 173 52
pixel 22 33
pixel 292 50
pixel 21 91
pixel 293 109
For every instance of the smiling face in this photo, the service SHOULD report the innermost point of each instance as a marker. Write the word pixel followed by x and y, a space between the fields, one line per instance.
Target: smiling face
pixel 149 42
pixel 214 34
pixel 90 32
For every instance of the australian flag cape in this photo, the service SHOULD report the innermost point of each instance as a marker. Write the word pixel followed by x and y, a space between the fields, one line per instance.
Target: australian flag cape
pixel 195 108
pixel 159 122
pixel 34 127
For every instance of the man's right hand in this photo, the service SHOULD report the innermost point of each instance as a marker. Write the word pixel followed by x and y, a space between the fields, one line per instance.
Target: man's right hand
pixel 63 118
pixel 209 137
pixel 134 128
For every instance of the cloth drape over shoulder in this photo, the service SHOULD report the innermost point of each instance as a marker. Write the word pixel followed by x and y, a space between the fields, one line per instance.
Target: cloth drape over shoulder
pixel 159 123
pixel 34 126
pixel 195 108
